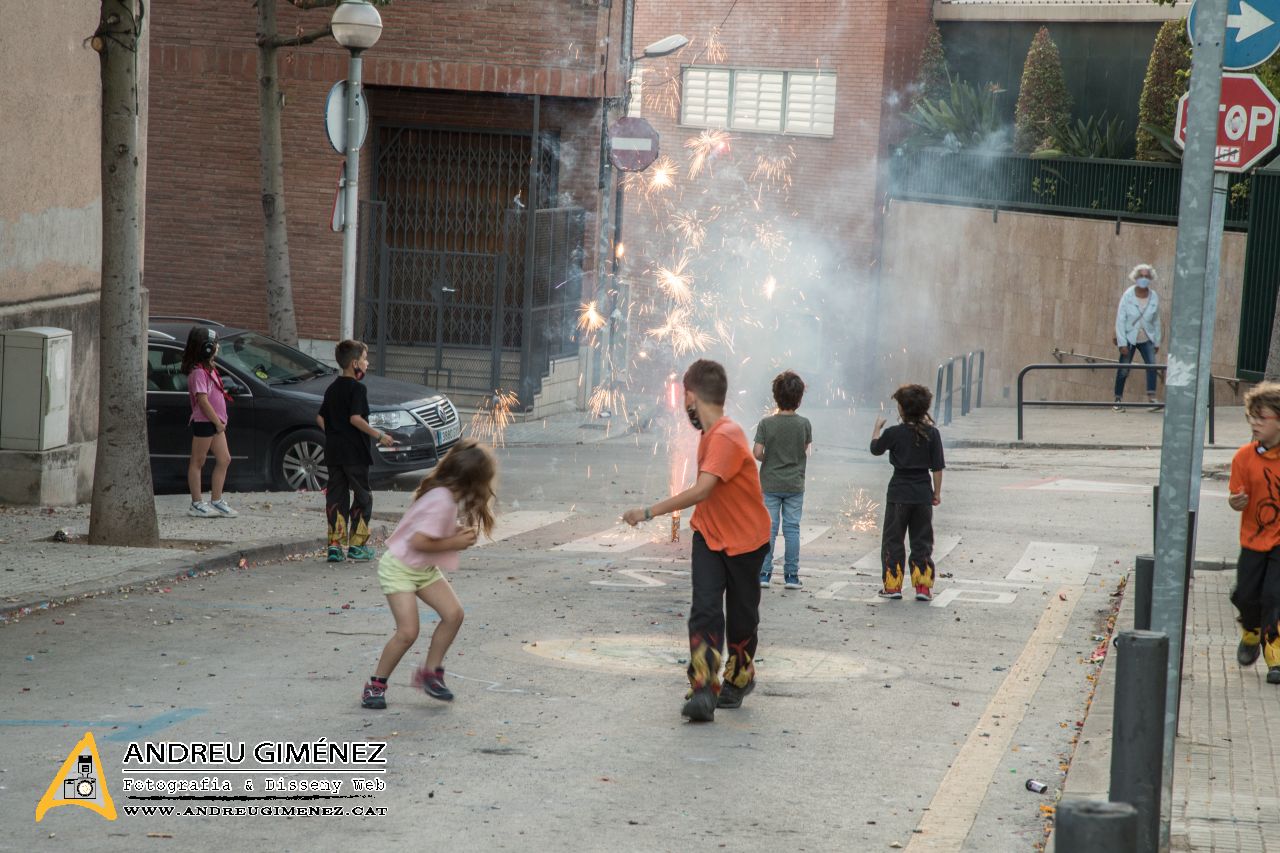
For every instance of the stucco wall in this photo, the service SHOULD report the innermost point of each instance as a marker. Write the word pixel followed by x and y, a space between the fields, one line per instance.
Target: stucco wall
pixel 1018 285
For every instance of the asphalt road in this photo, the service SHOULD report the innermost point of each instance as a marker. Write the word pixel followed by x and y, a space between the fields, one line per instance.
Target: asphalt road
pixel 876 724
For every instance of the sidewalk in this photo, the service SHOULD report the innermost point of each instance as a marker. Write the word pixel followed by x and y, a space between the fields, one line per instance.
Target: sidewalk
pixel 1227 753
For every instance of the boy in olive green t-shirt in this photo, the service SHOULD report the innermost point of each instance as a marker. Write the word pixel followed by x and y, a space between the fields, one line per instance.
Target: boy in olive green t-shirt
pixel 782 446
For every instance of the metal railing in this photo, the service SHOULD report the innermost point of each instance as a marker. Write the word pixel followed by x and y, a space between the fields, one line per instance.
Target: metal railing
pixel 1098 363
pixel 970 389
pixel 1111 189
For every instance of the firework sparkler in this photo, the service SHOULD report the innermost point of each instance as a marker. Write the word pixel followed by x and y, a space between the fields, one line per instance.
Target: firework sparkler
pixel 489 423
pixel 589 317
pixel 675 282
pixel 683 336
pixel 706 146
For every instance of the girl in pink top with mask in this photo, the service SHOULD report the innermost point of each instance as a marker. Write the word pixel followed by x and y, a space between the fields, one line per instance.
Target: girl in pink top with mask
pixel 208 423
pixel 452 505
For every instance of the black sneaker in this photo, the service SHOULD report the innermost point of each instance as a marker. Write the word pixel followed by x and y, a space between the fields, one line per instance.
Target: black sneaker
pixel 374 696
pixel 701 706
pixel 432 683
pixel 731 696
pixel 1273 675
pixel 1246 654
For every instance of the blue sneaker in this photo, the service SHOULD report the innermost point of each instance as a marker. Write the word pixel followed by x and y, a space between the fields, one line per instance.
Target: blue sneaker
pixel 360 553
pixel 335 554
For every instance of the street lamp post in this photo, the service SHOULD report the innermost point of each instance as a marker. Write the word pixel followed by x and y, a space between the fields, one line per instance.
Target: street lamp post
pixel 356 26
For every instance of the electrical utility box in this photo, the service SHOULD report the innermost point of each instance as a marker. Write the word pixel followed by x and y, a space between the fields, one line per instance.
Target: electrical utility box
pixel 35 388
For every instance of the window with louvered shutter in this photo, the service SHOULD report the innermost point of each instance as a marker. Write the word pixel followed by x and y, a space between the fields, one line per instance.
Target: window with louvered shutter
pixel 757 100
pixel 704 97
pixel 811 103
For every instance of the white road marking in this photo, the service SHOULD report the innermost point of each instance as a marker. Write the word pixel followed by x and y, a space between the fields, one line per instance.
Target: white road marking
pixel 1066 484
pixel 1054 562
pixel 948 820
pixel 942 598
pixel 942 546
pixel 521 521
pixel 808 533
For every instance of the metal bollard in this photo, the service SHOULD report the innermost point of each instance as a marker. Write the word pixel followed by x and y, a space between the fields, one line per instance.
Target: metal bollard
pixel 1092 826
pixel 1144 577
pixel 1137 733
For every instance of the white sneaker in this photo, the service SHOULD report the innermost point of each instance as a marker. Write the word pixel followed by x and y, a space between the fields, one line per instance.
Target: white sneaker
pixel 223 509
pixel 202 509
pixel 795 584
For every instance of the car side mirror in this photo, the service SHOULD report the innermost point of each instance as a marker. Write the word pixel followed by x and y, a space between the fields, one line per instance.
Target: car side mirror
pixel 234 386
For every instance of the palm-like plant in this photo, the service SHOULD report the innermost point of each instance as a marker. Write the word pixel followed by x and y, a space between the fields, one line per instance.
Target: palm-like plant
pixel 1097 137
pixel 966 119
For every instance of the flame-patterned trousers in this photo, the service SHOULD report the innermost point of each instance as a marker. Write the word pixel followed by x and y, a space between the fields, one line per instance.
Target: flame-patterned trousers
pixel 899 521
pixel 348 503
pixel 1257 599
pixel 726 608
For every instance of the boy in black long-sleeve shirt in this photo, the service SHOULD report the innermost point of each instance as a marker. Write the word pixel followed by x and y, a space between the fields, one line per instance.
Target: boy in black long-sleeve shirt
pixel 915 449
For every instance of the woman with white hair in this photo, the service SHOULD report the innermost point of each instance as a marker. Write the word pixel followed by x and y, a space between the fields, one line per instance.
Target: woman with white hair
pixel 1138 329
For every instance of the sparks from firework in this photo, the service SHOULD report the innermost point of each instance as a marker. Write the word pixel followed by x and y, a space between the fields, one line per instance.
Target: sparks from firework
pixel 664 97
pixel 683 335
pixel 675 282
pixel 706 146
pixel 661 175
pixel 589 318
pixel 771 240
pixel 690 226
pixel 715 48
pixel 489 423
pixel 608 401
pixel 862 511
pixel 775 171
pixel 770 287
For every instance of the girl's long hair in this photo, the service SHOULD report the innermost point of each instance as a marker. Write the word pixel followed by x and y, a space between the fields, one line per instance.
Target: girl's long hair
pixel 915 401
pixel 468 470
pixel 191 355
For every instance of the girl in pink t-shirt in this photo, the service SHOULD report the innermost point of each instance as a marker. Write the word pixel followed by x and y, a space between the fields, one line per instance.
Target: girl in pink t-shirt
pixel 452 505
pixel 208 423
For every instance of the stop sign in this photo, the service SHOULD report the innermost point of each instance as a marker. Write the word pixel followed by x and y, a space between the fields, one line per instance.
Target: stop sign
pixel 1246 122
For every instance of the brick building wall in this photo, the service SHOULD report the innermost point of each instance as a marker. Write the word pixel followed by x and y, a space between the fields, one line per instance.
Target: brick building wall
pixel 446 62
pixel 833 206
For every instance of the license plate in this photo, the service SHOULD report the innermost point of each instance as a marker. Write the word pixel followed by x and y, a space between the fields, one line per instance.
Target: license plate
pixel 449 433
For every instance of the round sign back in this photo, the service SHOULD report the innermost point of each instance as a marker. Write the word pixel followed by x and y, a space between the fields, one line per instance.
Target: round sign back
pixel 633 144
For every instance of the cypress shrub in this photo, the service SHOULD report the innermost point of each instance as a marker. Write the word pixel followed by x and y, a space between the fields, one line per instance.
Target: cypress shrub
pixel 1168 74
pixel 1043 100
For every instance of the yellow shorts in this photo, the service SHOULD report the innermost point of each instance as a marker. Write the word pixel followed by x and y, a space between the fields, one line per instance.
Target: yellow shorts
pixel 395 576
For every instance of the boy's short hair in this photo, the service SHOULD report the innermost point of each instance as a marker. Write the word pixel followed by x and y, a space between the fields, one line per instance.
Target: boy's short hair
pixel 1263 395
pixel 788 390
pixel 348 352
pixel 707 380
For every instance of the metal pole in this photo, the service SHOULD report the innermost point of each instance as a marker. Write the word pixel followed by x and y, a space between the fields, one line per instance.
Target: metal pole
pixel 1180 455
pixel 1092 826
pixel 1143 572
pixel 1136 745
pixel 527 379
pixel 350 199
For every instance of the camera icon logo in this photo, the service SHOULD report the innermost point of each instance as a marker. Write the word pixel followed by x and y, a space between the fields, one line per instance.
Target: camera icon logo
pixel 84 785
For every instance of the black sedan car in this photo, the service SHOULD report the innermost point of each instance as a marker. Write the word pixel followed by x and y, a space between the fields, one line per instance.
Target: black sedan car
pixel 271 425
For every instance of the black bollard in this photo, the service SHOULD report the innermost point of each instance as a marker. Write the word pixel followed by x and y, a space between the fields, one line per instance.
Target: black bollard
pixel 1137 733
pixel 1144 576
pixel 1093 826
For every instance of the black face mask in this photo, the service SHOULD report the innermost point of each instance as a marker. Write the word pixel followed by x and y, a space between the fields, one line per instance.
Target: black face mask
pixel 692 412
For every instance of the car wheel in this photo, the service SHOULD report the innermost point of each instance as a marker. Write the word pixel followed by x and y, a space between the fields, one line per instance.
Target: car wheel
pixel 299 463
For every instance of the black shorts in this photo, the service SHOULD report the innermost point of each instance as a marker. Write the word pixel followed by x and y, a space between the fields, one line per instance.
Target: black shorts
pixel 203 429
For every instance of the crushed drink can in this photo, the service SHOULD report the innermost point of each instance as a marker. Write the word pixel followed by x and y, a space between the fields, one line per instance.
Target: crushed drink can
pixel 1036 787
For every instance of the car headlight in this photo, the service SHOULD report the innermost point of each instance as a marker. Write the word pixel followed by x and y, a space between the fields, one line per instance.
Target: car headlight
pixel 391 420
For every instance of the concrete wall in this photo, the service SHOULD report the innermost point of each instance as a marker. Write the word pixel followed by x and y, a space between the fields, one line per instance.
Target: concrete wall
pixel 51 222
pixel 1018 285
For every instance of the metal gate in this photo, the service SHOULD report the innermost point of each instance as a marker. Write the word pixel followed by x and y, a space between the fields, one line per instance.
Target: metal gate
pixel 457 291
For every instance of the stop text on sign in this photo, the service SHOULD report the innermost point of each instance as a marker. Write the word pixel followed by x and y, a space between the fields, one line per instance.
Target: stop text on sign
pixel 1247 128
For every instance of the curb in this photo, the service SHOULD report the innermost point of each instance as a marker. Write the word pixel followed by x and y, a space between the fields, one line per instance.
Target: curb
pixel 177 568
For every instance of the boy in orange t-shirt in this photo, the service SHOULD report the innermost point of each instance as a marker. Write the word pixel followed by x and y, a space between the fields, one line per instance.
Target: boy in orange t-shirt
pixel 730 540
pixel 1255 492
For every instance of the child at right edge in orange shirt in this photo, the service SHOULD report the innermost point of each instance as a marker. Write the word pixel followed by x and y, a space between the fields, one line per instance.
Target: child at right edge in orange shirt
pixel 1255 493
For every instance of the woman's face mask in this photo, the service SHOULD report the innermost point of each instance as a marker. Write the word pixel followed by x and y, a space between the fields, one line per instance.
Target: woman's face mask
pixel 1143 281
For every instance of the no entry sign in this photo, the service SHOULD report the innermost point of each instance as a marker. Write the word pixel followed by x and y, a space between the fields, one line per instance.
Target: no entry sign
pixel 633 144
pixel 1246 123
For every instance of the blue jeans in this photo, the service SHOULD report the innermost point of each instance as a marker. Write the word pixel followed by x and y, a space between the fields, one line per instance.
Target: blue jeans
pixel 1148 351
pixel 789 508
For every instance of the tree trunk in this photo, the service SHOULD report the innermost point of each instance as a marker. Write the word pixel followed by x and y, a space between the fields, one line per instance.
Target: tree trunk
pixel 281 322
pixel 124 509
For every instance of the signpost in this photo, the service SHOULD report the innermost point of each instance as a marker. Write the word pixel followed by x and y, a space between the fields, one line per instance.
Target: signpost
pixel 633 144
pixel 1247 126
pixel 1253 32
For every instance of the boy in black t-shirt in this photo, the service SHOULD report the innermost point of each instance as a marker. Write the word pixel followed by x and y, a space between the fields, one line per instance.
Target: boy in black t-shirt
pixel 344 417
pixel 915 449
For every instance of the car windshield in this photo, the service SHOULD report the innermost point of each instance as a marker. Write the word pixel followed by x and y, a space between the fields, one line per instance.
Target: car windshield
pixel 269 360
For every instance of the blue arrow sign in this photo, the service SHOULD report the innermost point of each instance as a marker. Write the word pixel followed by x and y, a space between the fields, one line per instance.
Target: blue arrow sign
pixel 1253 32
